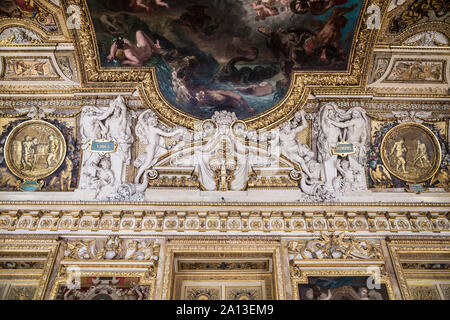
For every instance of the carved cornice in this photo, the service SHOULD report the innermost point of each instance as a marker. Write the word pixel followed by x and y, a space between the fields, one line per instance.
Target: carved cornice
pixel 283 221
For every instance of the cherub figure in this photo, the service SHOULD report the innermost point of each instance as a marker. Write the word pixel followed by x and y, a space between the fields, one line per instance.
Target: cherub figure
pixel 99 172
pixel 265 9
pixel 292 148
pixel 315 7
pixel 150 134
pixel 146 5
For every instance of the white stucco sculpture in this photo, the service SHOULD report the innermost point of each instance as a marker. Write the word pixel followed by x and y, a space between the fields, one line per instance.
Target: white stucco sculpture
pixel 107 124
pixel 336 126
pixel 150 134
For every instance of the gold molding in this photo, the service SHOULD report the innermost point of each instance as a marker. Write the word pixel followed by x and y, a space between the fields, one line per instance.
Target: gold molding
pixel 8 150
pixel 397 245
pixel 48 245
pixel 436 156
pixel 193 246
pixel 181 219
pixel 299 276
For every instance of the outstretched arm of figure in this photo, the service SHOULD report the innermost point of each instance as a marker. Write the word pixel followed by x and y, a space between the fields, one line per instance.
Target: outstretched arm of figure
pixel 161 3
pixel 102 126
pixel 168 134
pixel 392 150
pixel 106 114
pixel 342 125
pixel 112 52
pixel 303 126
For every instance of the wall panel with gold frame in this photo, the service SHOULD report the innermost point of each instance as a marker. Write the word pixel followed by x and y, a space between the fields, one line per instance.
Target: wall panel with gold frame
pixel 337 267
pixel 107 268
pixel 422 266
pixel 26 264
pixel 241 268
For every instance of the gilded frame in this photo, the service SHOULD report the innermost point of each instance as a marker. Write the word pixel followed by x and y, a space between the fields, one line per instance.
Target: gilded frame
pixel 416 245
pixel 145 78
pixel 33 244
pixel 341 269
pixel 437 158
pixel 144 280
pixel 227 245
pixel 8 143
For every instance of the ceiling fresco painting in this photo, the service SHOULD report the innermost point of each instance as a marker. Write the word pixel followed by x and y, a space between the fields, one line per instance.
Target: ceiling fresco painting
pixel 231 54
pixel 225 149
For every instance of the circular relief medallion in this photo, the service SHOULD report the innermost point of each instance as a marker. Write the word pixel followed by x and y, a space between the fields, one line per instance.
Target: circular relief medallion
pixel 411 152
pixel 34 149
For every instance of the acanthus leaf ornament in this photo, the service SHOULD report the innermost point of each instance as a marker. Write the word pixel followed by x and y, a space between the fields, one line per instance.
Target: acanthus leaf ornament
pixel 334 246
pixel 112 248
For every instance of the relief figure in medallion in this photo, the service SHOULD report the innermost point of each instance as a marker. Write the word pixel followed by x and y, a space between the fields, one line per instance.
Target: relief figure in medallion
pixel 399 151
pixel 421 155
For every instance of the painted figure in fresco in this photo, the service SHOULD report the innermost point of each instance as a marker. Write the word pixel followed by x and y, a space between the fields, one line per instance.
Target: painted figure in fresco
pixel 196 19
pixel 293 48
pixel 222 99
pixel 134 54
pixel 330 34
pixel 399 150
pixel 114 24
pixel 421 155
pixel 26 5
pixel 132 5
pixel 265 9
pixel 146 5
pixel 258 90
pixel 315 7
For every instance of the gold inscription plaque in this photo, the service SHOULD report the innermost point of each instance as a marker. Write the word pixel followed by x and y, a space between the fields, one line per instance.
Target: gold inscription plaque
pixel 34 149
pixel 411 152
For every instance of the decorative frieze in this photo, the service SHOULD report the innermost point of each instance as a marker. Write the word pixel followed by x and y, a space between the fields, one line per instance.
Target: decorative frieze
pixel 180 221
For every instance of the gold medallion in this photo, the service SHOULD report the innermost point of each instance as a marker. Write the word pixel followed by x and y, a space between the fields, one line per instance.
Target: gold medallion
pixel 34 150
pixel 411 152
